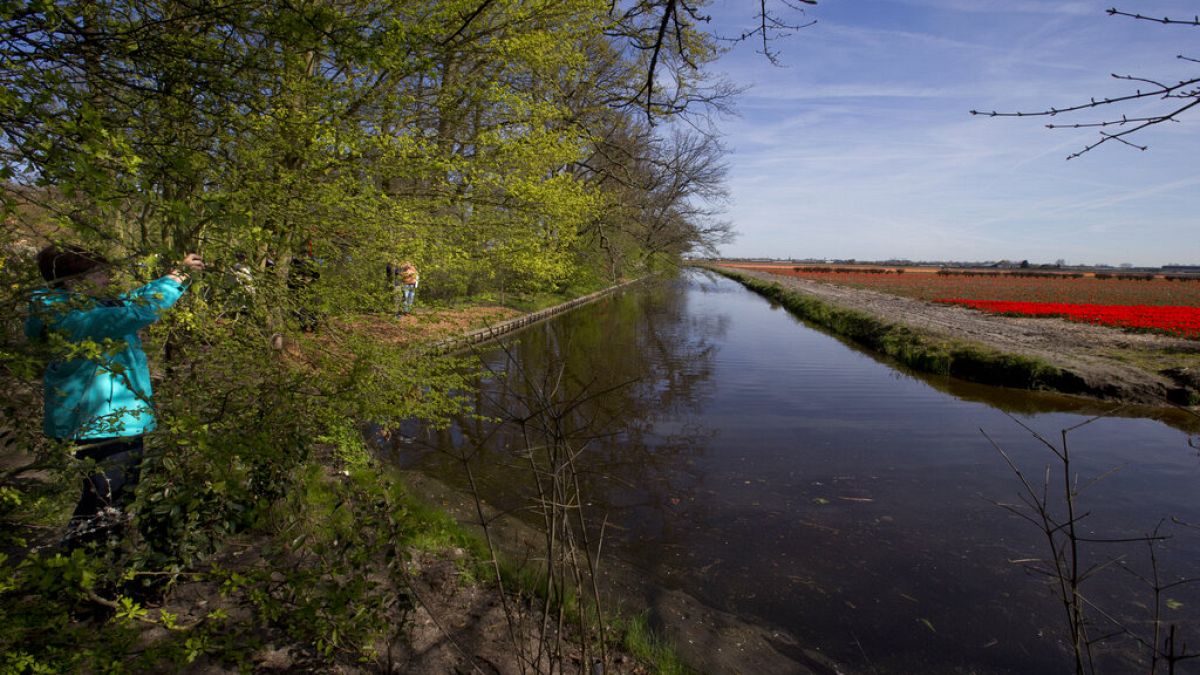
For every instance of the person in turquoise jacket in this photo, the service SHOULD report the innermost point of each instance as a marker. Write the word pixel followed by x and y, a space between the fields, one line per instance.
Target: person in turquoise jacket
pixel 101 404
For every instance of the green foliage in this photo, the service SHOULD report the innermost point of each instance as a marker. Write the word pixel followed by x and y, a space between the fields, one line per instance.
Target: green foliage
pixel 299 149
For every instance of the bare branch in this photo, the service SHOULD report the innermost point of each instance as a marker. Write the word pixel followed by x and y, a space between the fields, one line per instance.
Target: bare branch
pixel 1186 89
pixel 1194 21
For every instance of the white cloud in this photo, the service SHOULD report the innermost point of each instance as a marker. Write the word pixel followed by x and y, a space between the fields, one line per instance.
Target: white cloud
pixel 863 147
pixel 834 91
pixel 1008 6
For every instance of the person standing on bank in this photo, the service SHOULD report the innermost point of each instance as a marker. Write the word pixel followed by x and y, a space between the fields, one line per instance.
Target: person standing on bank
pixel 397 286
pixel 101 405
pixel 411 279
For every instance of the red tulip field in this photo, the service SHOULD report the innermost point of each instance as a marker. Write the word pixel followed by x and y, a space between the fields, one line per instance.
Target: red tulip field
pixel 1184 321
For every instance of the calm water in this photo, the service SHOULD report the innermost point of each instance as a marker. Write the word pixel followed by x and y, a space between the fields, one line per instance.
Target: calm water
pixel 772 471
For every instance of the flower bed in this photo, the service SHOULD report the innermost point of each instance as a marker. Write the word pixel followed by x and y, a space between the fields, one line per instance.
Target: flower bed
pixel 1184 321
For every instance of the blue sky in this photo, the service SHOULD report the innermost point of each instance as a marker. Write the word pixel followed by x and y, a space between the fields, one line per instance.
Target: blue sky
pixel 861 146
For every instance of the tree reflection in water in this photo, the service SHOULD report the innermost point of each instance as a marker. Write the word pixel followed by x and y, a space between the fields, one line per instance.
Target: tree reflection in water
pixel 622 381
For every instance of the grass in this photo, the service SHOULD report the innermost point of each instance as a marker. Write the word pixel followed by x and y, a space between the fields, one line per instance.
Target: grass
pixel 647 647
pixel 918 351
pixel 528 302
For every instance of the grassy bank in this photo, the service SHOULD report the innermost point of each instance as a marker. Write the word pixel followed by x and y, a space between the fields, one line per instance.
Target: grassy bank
pixel 914 349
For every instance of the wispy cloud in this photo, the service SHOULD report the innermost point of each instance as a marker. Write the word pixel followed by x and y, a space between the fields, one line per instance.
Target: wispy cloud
pixel 864 147
pixel 1007 6
pixel 828 91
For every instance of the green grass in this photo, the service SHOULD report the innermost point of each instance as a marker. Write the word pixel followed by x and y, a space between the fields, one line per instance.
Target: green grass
pixel 647 647
pixel 534 302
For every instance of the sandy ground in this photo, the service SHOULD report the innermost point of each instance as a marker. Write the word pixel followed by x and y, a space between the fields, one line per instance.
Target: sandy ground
pixel 1114 364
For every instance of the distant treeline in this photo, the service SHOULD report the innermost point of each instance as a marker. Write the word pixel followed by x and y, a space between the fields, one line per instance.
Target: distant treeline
pixel 1148 277
pixel 1020 273
pixel 1122 276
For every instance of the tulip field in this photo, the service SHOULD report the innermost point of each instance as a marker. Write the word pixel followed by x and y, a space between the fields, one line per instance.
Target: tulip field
pixel 1183 321
pixel 1159 304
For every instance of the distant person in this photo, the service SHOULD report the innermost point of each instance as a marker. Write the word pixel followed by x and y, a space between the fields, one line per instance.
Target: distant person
pixel 101 405
pixel 395 283
pixel 410 279
pixel 304 271
pixel 243 276
pixel 238 282
pixel 404 280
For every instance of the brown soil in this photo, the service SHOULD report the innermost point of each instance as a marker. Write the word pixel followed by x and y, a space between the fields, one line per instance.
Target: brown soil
pixel 706 638
pixel 457 625
pixel 416 330
pixel 1114 364
pixel 454 623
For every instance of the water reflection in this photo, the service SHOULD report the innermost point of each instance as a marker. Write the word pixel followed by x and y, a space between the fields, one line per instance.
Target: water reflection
pixel 769 470
pixel 630 377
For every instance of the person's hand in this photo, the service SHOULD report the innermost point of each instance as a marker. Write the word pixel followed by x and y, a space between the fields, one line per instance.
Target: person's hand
pixel 192 262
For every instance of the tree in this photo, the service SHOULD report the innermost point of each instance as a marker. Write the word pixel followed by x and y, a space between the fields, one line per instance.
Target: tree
pixel 1178 98
pixel 499 144
pixel 667 36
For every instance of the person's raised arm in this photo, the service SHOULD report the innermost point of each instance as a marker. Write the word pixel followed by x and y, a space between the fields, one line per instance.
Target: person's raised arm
pixel 140 307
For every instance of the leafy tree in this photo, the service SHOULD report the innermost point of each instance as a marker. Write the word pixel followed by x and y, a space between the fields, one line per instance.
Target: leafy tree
pixel 491 142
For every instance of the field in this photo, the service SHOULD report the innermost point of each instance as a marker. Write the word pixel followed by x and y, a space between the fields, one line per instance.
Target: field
pixel 1184 321
pixel 1139 366
pixel 1169 305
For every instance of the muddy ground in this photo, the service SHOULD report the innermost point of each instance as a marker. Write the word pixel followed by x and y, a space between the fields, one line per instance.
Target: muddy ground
pixel 455 624
pixel 707 639
pixel 1116 365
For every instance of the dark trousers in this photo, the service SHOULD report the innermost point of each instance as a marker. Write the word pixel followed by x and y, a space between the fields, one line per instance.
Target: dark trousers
pixel 110 485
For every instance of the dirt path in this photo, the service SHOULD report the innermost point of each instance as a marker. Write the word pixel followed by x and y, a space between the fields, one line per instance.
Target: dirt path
pixel 1142 368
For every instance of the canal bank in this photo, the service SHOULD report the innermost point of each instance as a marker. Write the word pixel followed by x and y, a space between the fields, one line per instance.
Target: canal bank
pixel 1025 353
pixel 706 639
pixel 489 333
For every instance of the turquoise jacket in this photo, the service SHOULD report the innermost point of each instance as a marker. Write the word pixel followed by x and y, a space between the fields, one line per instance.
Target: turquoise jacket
pixel 109 395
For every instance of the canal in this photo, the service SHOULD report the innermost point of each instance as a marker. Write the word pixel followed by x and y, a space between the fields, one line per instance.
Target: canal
pixel 776 473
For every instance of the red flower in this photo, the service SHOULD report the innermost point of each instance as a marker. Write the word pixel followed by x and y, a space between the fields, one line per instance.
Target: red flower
pixel 1183 321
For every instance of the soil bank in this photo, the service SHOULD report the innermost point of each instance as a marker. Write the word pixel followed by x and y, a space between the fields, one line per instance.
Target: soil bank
pixel 708 639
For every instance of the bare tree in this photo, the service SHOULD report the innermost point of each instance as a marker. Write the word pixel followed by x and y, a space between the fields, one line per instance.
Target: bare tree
pixel 1177 99
pixel 770 25
pixel 666 192
pixel 673 38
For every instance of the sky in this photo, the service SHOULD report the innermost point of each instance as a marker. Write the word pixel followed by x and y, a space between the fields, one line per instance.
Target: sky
pixel 862 146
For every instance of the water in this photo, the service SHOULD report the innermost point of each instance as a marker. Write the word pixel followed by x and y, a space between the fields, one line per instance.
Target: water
pixel 773 471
